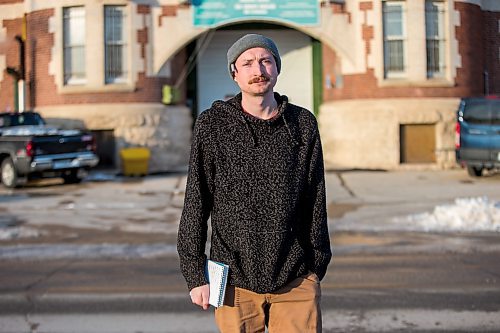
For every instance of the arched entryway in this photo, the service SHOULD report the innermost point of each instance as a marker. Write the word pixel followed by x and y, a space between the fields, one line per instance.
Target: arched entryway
pixel 296 79
pixel 208 79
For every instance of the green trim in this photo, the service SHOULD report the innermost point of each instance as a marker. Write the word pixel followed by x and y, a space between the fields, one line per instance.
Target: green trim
pixel 317 69
pixel 192 84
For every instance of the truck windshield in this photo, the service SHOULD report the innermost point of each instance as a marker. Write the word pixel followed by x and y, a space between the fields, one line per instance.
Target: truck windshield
pixel 20 119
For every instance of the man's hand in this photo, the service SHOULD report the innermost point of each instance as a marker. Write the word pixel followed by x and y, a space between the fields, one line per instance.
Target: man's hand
pixel 200 295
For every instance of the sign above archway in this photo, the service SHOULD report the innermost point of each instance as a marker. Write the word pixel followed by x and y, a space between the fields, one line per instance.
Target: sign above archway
pixel 208 13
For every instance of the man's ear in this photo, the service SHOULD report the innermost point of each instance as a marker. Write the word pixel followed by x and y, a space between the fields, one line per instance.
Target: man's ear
pixel 233 70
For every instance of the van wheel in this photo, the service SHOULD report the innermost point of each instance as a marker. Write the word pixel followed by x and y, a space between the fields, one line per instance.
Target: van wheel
pixel 474 171
pixel 8 173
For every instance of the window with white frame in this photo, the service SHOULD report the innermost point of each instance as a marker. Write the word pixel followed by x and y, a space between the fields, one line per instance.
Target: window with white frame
pixel 394 38
pixel 74 45
pixel 435 38
pixel 115 48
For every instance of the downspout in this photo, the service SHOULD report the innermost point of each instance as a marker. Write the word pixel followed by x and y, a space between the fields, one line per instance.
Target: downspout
pixel 317 68
pixel 15 75
pixel 18 75
pixel 21 86
pixel 486 79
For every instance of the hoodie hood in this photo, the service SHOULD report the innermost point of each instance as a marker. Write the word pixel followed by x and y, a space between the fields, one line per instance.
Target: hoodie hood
pixel 233 109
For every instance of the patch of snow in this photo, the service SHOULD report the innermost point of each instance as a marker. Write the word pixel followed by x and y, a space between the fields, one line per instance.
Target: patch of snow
pixel 150 228
pixel 100 177
pixel 86 251
pixel 38 130
pixel 70 206
pixel 101 206
pixel 464 215
pixel 11 233
pixel 146 228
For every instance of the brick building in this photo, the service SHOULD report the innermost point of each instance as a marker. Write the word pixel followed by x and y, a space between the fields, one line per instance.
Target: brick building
pixel 384 77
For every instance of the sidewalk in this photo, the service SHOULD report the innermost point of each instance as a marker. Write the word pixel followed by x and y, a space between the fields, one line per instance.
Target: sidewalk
pixel 120 217
pixel 357 200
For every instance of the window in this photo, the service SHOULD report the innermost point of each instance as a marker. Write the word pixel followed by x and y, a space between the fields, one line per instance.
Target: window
pixel 434 31
pixel 74 45
pixel 115 65
pixel 478 111
pixel 20 119
pixel 394 40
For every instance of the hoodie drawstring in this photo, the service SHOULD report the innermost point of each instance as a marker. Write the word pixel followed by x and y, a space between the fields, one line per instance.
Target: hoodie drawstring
pixel 234 105
pixel 252 134
pixel 295 142
pixel 254 137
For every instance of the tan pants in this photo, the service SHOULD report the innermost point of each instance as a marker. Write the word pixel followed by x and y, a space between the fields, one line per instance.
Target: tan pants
pixel 294 308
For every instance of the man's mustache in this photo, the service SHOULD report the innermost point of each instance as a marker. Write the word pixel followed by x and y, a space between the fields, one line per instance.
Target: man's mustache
pixel 258 79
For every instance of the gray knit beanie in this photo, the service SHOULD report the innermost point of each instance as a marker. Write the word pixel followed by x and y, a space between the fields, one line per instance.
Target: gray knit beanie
pixel 250 41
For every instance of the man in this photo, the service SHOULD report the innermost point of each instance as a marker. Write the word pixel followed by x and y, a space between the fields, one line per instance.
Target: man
pixel 256 168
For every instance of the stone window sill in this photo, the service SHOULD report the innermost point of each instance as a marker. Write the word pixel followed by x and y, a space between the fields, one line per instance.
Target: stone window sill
pixel 408 83
pixel 80 89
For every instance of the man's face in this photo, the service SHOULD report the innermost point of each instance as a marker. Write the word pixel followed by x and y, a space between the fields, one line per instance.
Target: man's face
pixel 256 72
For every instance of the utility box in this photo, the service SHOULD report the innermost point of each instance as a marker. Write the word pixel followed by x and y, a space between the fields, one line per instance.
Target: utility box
pixel 170 95
pixel 135 161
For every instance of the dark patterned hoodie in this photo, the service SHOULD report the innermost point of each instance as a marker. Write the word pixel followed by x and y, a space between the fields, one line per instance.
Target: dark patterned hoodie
pixel 262 184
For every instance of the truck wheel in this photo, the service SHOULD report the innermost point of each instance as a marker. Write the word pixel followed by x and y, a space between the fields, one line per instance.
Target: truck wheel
pixel 72 177
pixel 9 173
pixel 474 171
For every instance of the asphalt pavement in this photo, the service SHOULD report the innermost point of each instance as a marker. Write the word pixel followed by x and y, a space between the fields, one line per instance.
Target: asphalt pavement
pixel 100 256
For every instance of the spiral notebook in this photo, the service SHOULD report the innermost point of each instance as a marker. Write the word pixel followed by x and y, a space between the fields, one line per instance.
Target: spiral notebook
pixel 217 274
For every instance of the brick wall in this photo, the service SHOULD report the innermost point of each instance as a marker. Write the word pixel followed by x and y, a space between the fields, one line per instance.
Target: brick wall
pixel 471 49
pixel 492 49
pixel 38 47
pixel 338 8
pixel 9 48
pixel 171 10
pixel 43 86
pixel 469 78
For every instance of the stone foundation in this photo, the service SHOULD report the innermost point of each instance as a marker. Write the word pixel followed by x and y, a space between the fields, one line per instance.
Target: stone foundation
pixel 364 133
pixel 165 130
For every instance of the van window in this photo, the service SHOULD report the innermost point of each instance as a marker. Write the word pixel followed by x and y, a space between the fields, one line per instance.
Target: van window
pixel 477 112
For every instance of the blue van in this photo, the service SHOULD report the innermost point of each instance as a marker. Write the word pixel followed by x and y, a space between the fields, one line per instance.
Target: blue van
pixel 477 143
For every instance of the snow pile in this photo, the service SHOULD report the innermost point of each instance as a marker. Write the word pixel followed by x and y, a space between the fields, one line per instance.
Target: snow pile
pixel 100 177
pixel 29 130
pixel 18 233
pixel 13 229
pixel 465 214
pixel 86 251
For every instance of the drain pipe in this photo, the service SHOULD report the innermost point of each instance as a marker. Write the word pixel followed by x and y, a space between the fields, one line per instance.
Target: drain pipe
pixel 21 84
pixel 486 83
pixel 18 75
pixel 15 75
